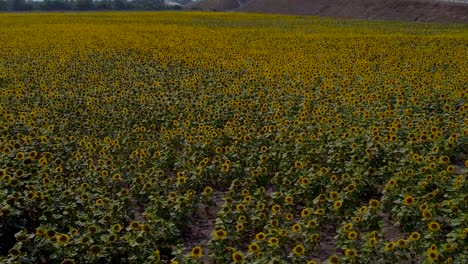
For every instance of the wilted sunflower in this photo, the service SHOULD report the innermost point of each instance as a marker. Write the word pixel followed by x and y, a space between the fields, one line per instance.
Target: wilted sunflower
pixel 14 252
pixel 94 250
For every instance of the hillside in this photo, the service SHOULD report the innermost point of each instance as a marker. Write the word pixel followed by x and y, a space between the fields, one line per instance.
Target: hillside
pixel 410 10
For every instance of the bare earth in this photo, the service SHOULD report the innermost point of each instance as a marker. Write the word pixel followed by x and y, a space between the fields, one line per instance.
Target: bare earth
pixel 409 10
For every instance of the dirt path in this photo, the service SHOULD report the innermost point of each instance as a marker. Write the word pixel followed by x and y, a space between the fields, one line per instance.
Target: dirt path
pixel 202 226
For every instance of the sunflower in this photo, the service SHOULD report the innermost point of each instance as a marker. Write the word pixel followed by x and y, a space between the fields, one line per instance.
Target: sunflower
pixel 409 200
pixel 296 228
pixel 276 208
pixel 260 236
pixel 225 167
pixel 116 228
pixel 351 188
pixel 289 216
pixel 444 159
pixel 94 250
pixel 434 226
pixel 305 212
pixel 85 240
pixel 238 257
pixel 112 238
pixel 254 248
pixel 50 233
pixel 352 235
pixel 299 250
pixel 288 199
pixel 337 204
pixel 116 177
pixel 319 211
pixel 68 261
pixel 273 241
pixel 350 253
pixel 40 232
pixel 363 209
pixel 92 229
pixel 451 169
pixel 220 234
pixel 414 236
pixel 389 246
pixel 207 191
pixel 374 203
pixel 312 224
pixel 196 252
pixel 334 195
pixel 348 227
pixel 135 225
pixel 401 243
pixel 334 259
pixel 63 239
pixel 432 255
pixel 304 181
pixel 20 155
pixel 181 180
pixel 455 209
pixel 314 237
pixel 74 232
pixel 283 232
pixel 140 239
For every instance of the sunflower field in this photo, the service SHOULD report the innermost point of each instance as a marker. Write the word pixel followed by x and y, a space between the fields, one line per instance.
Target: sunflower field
pixel 192 137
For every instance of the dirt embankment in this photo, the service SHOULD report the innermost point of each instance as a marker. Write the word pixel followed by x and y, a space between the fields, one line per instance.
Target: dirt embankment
pixel 410 10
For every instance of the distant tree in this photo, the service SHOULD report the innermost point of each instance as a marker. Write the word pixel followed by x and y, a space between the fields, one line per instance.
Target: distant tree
pixel 3 5
pixel 103 5
pixel 182 2
pixel 16 5
pixel 84 4
pixel 120 4
pixel 55 5
pixel 148 4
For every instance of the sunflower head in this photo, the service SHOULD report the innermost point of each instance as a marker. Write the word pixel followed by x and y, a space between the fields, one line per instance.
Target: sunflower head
pixel 196 252
pixel 299 250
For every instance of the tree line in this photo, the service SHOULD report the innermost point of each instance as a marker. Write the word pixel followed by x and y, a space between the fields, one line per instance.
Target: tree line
pixel 50 5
